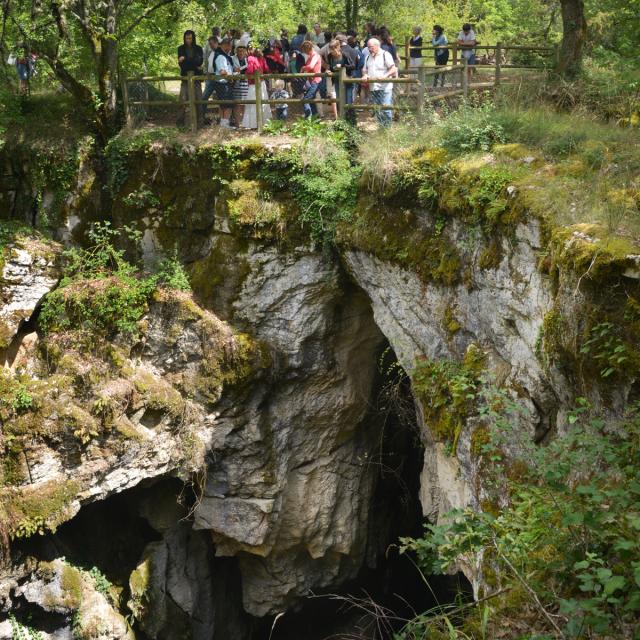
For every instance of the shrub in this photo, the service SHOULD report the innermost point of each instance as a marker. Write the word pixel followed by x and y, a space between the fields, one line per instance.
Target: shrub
pixel 567 538
pixel 320 175
pixel 101 292
pixel 471 129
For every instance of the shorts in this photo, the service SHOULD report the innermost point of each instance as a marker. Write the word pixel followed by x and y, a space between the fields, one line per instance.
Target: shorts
pixel 23 71
pixel 223 91
pixel 471 59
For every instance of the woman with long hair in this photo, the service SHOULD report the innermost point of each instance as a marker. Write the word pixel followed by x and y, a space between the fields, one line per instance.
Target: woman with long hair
pixel 256 63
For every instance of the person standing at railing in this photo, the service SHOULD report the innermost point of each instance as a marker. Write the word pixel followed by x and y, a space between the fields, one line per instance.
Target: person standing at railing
pixel 379 65
pixel 223 66
pixel 440 52
pixel 467 40
pixel 313 64
pixel 190 58
pixel 210 52
pixel 386 42
pixel 415 48
pixel 350 62
pixel 318 37
pixel 256 63
pixel 240 87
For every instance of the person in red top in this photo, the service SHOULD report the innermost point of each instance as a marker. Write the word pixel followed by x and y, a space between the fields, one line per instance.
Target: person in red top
pixel 313 64
pixel 256 62
pixel 273 56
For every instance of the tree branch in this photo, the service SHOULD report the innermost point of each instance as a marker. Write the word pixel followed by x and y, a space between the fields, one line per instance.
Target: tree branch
pixel 143 16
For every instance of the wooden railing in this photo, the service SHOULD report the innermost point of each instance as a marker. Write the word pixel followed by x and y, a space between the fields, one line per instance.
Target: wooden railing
pixel 417 82
pixel 501 51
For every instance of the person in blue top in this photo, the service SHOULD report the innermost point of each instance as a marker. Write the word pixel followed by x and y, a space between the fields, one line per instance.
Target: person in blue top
pixel 441 52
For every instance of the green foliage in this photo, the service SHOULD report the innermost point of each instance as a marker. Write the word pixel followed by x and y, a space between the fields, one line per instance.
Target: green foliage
pixel 448 391
pixel 471 129
pixel 10 112
pixel 122 147
pixel 101 291
pixel 22 632
pixel 141 198
pixel 171 274
pixel 22 399
pixel 323 180
pixel 15 396
pixel 567 538
pixel 606 348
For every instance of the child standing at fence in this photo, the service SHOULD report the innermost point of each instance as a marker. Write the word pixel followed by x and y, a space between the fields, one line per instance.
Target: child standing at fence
pixel 280 93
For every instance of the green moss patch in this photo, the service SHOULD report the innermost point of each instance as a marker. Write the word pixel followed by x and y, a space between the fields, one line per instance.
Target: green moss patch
pixel 447 392
pixel 36 509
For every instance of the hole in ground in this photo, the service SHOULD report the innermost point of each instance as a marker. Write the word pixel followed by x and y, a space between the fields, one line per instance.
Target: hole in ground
pixel 378 602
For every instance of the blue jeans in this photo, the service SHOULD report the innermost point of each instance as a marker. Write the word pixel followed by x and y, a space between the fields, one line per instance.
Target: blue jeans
pixel 310 94
pixel 383 97
pixel 349 114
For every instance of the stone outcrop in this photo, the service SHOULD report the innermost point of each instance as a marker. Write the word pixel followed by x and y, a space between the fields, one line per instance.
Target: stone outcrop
pixel 502 312
pixel 258 390
pixel 29 272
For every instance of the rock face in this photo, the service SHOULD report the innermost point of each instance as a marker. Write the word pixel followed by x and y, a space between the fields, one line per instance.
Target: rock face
pixel 58 588
pixel 502 311
pixel 259 393
pixel 29 272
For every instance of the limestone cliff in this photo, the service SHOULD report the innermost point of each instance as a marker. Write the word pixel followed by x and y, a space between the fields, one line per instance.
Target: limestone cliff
pixel 259 389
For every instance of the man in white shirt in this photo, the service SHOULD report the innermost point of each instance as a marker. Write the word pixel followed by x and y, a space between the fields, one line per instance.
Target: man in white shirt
pixel 467 40
pixel 220 63
pixel 379 64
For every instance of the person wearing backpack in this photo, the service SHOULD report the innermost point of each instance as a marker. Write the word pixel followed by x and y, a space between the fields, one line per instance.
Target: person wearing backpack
pixel 380 65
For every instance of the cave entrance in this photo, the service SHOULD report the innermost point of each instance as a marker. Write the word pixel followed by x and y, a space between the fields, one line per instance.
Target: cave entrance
pixel 389 590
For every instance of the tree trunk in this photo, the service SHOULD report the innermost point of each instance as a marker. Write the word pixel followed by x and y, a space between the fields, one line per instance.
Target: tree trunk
pixel 574 27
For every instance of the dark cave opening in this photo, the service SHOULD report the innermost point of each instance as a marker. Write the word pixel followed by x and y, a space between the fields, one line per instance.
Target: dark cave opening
pixel 109 534
pixel 112 535
pixel 390 589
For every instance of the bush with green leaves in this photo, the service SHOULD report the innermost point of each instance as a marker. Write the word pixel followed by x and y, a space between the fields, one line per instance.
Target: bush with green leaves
pixel 471 129
pixel 322 177
pixel 559 537
pixel 103 292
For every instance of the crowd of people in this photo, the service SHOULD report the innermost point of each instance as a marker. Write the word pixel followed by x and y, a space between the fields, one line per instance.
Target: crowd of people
pixel 235 59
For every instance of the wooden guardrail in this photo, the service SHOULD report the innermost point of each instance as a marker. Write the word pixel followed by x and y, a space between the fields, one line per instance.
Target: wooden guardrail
pixel 500 51
pixel 419 79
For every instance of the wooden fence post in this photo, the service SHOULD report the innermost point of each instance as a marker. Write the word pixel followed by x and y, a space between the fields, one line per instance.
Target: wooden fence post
pixel 407 51
pixel 498 63
pixel 257 79
pixel 193 108
pixel 465 78
pixel 342 92
pixel 125 102
pixel 422 88
pixel 454 53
